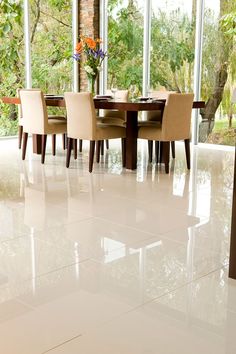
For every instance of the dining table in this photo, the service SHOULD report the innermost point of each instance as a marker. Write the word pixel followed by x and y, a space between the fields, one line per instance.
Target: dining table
pixel 132 108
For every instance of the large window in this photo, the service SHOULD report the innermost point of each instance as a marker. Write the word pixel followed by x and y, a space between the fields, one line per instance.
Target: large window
pixel 125 43
pixel 218 73
pixel 51 45
pixel 12 61
pixel 172 44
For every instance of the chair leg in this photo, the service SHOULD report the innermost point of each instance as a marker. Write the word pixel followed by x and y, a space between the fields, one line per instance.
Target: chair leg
pixel 64 141
pixel 69 146
pixel 102 147
pixel 157 144
pixel 166 154
pixel 123 148
pixel 44 143
pixel 25 138
pixel 150 149
pixel 20 134
pixel 98 147
pixel 173 149
pixel 91 155
pixel 80 145
pixel 54 144
pixel 75 148
pixel 187 152
pixel 107 144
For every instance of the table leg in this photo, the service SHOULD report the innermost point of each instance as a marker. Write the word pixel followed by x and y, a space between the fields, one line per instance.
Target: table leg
pixel 131 140
pixel 37 143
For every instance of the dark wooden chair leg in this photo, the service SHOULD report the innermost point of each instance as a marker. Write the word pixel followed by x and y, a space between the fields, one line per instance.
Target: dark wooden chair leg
pixel 187 152
pixel 44 143
pixel 166 155
pixel 173 149
pixel 157 144
pixel 54 144
pixel 25 139
pixel 75 148
pixel 107 144
pixel 150 150
pixel 123 149
pixel 80 145
pixel 20 134
pixel 64 141
pixel 98 147
pixel 69 147
pixel 102 148
pixel 91 155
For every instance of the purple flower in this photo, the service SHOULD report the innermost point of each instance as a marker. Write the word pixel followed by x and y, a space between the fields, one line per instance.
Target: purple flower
pixel 76 56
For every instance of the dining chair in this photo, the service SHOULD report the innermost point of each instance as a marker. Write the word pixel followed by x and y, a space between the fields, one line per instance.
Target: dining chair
pixel 175 126
pixel 36 120
pixel 50 116
pixel 83 124
pixel 153 117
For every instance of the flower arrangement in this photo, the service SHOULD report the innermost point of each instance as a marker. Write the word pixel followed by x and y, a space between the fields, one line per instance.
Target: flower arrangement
pixel 89 48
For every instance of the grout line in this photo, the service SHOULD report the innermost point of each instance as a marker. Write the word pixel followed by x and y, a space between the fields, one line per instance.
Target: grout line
pixel 61 344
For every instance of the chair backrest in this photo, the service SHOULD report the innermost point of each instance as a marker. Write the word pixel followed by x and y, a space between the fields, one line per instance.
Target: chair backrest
pixel 156 116
pixel 34 111
pixel 121 95
pixel 81 116
pixel 161 95
pixel 176 119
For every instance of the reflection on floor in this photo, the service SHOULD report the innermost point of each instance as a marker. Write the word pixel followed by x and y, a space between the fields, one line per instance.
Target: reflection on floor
pixel 115 262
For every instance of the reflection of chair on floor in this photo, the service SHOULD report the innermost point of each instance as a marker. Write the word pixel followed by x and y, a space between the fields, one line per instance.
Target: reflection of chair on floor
pixel 175 126
pixel 35 120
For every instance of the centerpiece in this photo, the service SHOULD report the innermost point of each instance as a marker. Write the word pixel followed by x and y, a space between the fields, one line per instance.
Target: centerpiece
pixel 89 49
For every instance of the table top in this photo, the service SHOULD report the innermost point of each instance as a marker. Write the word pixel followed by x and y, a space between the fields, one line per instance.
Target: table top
pixel 109 104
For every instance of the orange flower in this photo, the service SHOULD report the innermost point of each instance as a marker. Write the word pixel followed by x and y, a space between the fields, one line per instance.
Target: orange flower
pixel 90 43
pixel 79 48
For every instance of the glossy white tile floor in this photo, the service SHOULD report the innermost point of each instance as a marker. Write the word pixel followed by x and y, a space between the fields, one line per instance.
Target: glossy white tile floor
pixel 115 262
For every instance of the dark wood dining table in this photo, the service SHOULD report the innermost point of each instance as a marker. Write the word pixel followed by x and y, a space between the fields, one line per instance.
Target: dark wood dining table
pixel 131 109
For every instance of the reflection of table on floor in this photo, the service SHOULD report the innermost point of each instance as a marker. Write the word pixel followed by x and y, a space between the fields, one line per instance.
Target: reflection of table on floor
pixel 131 109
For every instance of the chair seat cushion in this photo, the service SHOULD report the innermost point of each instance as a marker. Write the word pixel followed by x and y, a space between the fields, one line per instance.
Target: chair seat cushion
pixel 150 132
pixel 56 117
pixel 56 126
pixel 113 121
pixel 105 131
pixel 149 123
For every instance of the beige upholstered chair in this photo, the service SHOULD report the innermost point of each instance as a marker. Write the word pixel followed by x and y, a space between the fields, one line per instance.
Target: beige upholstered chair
pixel 35 119
pixel 154 117
pixel 82 123
pixel 114 117
pixel 175 125
pixel 111 117
pixel 20 125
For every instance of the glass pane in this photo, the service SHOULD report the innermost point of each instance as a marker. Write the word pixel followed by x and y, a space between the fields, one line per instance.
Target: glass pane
pixel 218 74
pixel 12 62
pixel 125 43
pixel 172 45
pixel 51 41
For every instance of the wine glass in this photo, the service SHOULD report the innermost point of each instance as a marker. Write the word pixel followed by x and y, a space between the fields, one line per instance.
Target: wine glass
pixel 149 93
pixel 114 89
pixel 133 91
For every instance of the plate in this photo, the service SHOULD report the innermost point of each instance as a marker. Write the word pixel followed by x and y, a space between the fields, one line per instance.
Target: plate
pixel 55 97
pixel 144 98
pixel 107 97
pixel 101 99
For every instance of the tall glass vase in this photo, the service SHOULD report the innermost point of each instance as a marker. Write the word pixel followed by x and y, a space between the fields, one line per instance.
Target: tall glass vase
pixel 92 84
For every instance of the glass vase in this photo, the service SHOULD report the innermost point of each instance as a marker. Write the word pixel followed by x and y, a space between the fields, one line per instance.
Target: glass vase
pixel 92 85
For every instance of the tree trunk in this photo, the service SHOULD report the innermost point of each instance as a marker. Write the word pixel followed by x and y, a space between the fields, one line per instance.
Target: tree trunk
pixel 215 98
